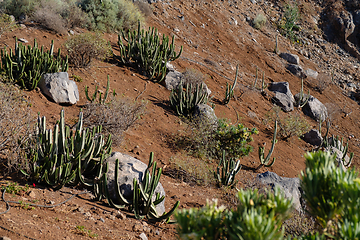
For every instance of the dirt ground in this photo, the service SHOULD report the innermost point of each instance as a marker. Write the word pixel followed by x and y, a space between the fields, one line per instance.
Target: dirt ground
pixel 216 36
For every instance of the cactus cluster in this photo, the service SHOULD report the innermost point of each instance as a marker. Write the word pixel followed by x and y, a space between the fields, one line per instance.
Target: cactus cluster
pixel 142 204
pixel 302 99
pixel 229 168
pixel 185 97
pixel 230 91
pixel 66 157
pixel 265 161
pixel 25 65
pixel 147 51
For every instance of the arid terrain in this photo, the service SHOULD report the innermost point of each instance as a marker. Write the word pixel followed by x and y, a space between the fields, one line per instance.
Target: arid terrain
pixel 216 37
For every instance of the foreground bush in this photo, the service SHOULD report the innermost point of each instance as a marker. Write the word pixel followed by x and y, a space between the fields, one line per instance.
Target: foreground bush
pixel 258 216
pixel 85 47
pixel 16 124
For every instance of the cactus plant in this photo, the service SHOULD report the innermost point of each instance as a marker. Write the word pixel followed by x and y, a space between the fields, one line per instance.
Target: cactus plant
pixel 93 98
pixel 26 65
pixel 142 203
pixel 265 161
pixel 184 99
pixel 230 91
pixel 302 100
pixel 63 157
pixel 229 168
pixel 145 49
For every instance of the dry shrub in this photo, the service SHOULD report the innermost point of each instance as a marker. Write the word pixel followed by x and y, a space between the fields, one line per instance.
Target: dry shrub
pixel 16 125
pixel 289 124
pixel 115 117
pixel 193 76
pixel 6 23
pixel 47 13
pixel 190 170
pixel 321 83
pixel 259 21
pixel 144 7
pixel 83 48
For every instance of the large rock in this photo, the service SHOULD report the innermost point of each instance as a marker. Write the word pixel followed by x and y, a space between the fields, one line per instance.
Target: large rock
pixel 59 88
pixel 129 168
pixel 281 87
pixel 296 70
pixel 204 112
pixel 290 186
pixel 313 137
pixel 284 101
pixel 290 58
pixel 313 108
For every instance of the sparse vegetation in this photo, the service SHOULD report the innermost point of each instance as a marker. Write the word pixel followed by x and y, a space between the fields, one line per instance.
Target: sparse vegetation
pixel 6 23
pixel 259 21
pixel 290 124
pixel 115 117
pixel 85 47
pixel 81 230
pixel 287 25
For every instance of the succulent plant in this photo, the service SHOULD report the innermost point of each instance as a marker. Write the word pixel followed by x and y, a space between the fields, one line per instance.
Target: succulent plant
pixel 26 65
pixel 265 161
pixel 145 49
pixel 93 98
pixel 229 168
pixel 230 91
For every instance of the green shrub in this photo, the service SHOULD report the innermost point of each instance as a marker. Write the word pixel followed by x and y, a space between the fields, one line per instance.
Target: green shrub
pixel 85 47
pixel 18 7
pixel 258 216
pixel 112 15
pixel 287 24
pixel 259 21
pixel 6 23
pixel 203 139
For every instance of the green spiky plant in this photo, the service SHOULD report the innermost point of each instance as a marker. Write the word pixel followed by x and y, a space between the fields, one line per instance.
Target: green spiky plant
pixel 143 203
pixel 229 168
pixel 230 90
pixel 25 65
pixel 147 51
pixel 302 99
pixel 184 98
pixel 93 97
pixel 265 161
pixel 66 157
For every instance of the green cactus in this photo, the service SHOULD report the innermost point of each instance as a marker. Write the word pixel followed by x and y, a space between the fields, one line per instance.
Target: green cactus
pixel 265 161
pixel 26 65
pixel 302 100
pixel 63 157
pixel 145 49
pixel 93 98
pixel 229 168
pixel 256 78
pixel 184 99
pixel 230 91
pixel 142 203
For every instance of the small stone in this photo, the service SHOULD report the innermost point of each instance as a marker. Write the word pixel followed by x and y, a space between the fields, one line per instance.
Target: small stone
pixel 157 232
pixel 32 194
pixel 112 217
pixel 120 215
pixel 5 238
pixel 23 40
pixel 143 236
pixel 102 220
pixel 137 227
pixel 80 209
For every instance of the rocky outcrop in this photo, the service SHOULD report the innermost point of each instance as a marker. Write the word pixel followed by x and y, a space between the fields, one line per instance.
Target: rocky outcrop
pixel 283 96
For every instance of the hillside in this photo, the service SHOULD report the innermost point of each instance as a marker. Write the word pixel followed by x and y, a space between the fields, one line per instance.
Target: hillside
pixel 216 36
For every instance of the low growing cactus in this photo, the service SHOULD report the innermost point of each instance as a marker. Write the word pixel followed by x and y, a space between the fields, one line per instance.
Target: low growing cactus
pixel 229 168
pixel 265 161
pixel 230 91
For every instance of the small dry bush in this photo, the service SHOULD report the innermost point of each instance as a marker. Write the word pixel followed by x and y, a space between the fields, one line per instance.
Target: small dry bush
pixel 321 83
pixel 190 170
pixel 115 117
pixel 193 76
pixel 289 124
pixel 16 125
pixel 6 23
pixel 144 7
pixel 85 47
pixel 259 21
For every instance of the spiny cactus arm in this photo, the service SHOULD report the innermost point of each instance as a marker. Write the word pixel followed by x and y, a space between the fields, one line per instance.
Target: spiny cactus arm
pixel 265 161
pixel 136 200
pixel 107 89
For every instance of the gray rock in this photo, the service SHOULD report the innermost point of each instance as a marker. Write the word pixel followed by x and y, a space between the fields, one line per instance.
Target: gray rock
pixel 296 70
pixel 339 156
pixel 290 186
pixel 172 80
pixel 284 101
pixel 281 87
pixel 59 88
pixel 314 108
pixel 143 236
pixel 290 58
pixel 129 168
pixel 313 137
pixel 23 40
pixel 311 73
pixel 204 112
